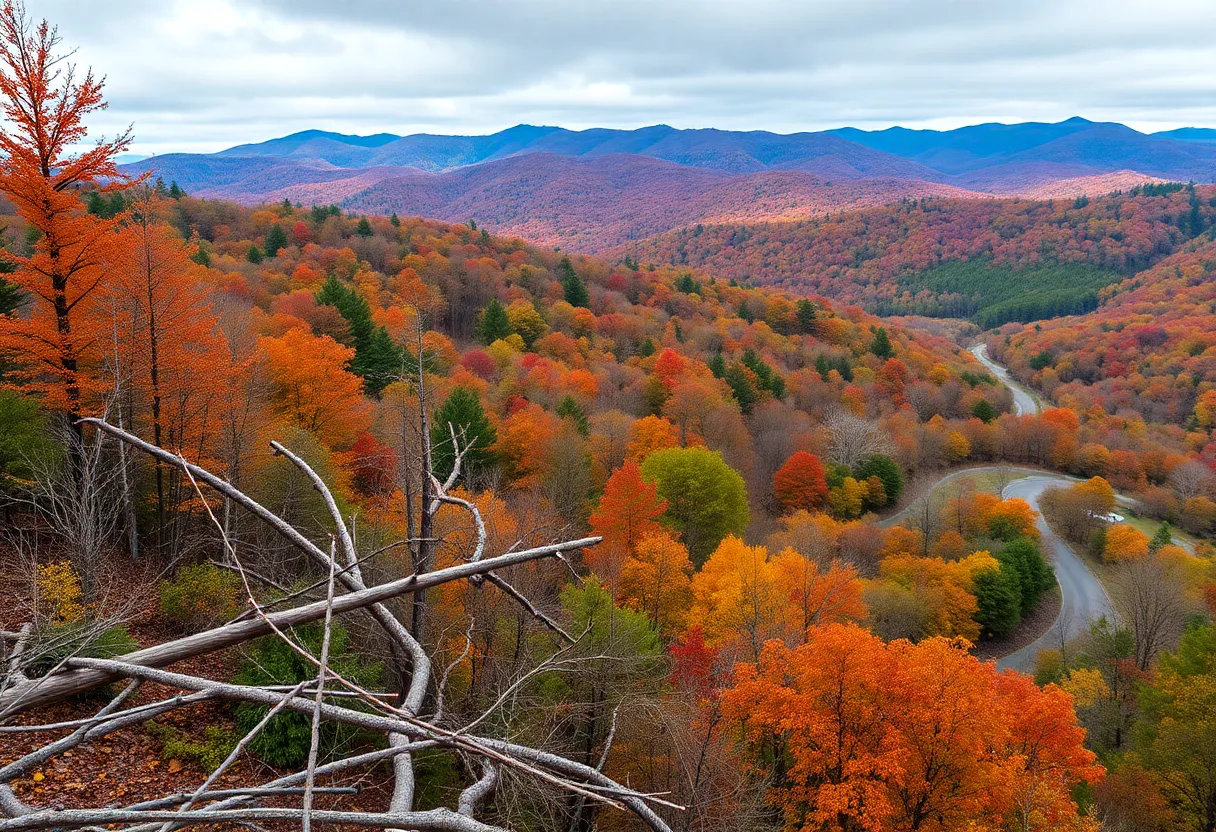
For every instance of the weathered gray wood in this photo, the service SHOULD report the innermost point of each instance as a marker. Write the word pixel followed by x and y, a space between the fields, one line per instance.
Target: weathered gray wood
pixel 38 692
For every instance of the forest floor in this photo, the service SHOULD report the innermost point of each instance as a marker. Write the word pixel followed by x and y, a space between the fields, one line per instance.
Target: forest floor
pixel 135 764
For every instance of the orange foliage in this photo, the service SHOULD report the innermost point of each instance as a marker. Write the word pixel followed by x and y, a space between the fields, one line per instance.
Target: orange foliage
pixel 312 387
pixel 902 736
pixel 58 342
pixel 799 483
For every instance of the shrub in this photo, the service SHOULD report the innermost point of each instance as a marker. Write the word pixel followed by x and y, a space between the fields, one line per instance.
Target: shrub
pixel 887 470
pixel 998 598
pixel 284 741
pixel 1026 563
pixel 200 596
pixel 51 645
pixel 206 752
pixel 59 593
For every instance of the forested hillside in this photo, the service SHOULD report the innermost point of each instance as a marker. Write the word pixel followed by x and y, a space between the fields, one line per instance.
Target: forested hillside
pixel 990 260
pixel 1150 348
pixel 319 518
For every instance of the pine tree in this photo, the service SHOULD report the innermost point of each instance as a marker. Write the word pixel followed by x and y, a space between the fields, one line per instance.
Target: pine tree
pixel 717 365
pixel 983 411
pixel 881 345
pixel 569 409
pixel 822 367
pixel 806 316
pixel 276 240
pixel 742 387
pixel 175 190
pixel 1164 537
pixel 845 369
pixel 494 323
pixel 254 255
pixel 380 363
pixel 573 287
pixel 463 411
pixel 394 220
pixel 377 359
pixel 364 228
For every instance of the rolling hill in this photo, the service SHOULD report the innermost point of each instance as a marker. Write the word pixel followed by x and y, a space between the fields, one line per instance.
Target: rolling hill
pixel 595 189
pixel 991 260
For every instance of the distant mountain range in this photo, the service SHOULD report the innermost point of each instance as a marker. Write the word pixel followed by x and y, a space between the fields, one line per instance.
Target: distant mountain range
pixel 592 189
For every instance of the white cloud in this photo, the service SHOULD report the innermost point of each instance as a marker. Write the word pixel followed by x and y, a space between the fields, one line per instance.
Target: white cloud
pixel 207 74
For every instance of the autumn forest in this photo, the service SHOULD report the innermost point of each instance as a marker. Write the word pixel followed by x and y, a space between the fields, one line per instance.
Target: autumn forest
pixel 900 517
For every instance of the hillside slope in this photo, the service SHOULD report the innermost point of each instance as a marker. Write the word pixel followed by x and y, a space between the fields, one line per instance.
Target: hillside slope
pixel 999 259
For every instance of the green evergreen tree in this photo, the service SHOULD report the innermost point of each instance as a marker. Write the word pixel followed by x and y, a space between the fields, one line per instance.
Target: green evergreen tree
pixel 276 240
pixel 394 220
pixel 573 288
pixel 646 348
pixel 998 599
pixel 843 367
pixel 983 411
pixel 377 359
pixel 1164 537
pixel 806 316
pixel 741 386
pixel 494 323
pixel 175 190
pixel 201 257
pixel 717 365
pixel 463 411
pixel 364 228
pixel 881 345
pixel 1022 558
pixel 887 470
pixel 822 366
pixel 380 363
pixel 568 408
pixel 254 255
pixel 286 206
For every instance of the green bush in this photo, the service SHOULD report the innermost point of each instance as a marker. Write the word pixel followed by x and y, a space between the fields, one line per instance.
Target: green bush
pixel 999 598
pixel 51 645
pixel 201 596
pixel 207 752
pixel 1034 575
pixel 887 470
pixel 284 741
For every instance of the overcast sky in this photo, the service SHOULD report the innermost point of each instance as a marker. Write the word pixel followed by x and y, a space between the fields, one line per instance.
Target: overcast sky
pixel 201 75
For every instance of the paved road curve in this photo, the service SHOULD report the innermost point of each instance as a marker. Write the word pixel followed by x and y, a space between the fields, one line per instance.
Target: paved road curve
pixel 1083 598
pixel 1023 402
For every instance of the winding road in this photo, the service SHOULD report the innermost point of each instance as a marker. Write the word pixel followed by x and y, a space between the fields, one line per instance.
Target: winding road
pixel 1082 597
pixel 1023 402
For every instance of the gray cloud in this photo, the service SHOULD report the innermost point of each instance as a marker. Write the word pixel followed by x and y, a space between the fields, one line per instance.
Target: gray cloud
pixel 207 74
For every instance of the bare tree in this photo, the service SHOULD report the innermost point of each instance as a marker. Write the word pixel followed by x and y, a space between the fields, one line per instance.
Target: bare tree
pixel 1151 599
pixel 1192 479
pixel 328 697
pixel 852 438
pixel 925 515
pixel 73 498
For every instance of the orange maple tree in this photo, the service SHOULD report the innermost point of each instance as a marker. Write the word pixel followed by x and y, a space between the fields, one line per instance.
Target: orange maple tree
pixel 906 736
pixel 45 101
pixel 800 483
pixel 312 387
pixel 627 512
